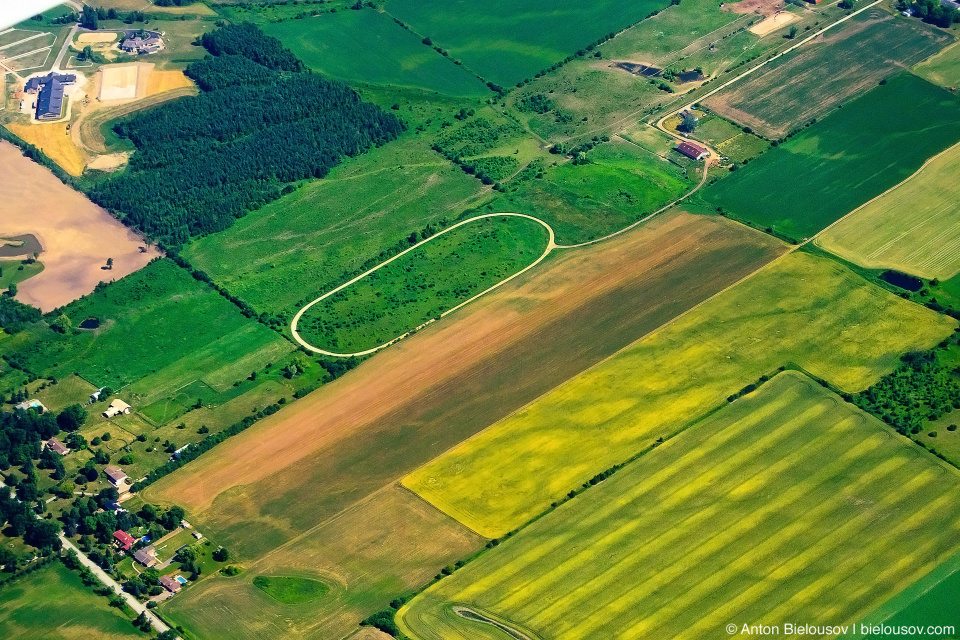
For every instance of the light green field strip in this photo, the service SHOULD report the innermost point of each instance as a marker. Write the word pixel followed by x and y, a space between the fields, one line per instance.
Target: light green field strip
pixel 801 309
pixel 787 505
pixel 914 227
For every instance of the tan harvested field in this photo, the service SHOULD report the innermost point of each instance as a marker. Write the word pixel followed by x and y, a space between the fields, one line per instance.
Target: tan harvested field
pixel 124 81
pixel 100 37
pixel 387 544
pixel 77 236
pixel 55 141
pixel 161 81
pixel 772 23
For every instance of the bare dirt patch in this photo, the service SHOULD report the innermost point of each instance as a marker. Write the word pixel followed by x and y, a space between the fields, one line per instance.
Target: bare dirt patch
pixel 773 23
pixel 109 161
pixel 763 7
pixel 124 81
pixel 77 236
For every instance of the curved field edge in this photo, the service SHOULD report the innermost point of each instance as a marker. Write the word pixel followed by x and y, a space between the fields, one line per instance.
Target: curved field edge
pixel 755 513
pixel 801 309
pixel 913 227
pixel 453 267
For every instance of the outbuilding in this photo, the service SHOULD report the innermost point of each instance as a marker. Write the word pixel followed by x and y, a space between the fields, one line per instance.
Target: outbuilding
pixel 117 406
pixel 115 475
pixel 691 150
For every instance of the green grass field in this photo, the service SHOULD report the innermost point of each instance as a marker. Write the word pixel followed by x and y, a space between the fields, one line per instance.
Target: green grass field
pixel 809 82
pixel 914 228
pixel 801 309
pixel 297 248
pixel 744 146
pixel 847 158
pixel 506 42
pixel 290 589
pixel 621 184
pixel 367 46
pixel 422 284
pixel 159 330
pixel 942 69
pixel 53 604
pixel 765 512
pixel 15 272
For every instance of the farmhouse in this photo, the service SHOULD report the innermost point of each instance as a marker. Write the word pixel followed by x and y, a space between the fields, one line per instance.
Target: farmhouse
pixel 56 446
pixel 142 43
pixel 692 150
pixel 117 406
pixel 50 88
pixel 31 404
pixel 170 583
pixel 115 475
pixel 123 540
pixel 146 556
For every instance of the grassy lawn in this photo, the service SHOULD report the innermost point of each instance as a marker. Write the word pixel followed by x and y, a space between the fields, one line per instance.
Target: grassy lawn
pixel 367 46
pixel 52 603
pixel 847 158
pixel 792 90
pixel 291 589
pixel 507 42
pixel 914 228
pixel 621 183
pixel 764 512
pixel 942 69
pixel 743 146
pixel 179 330
pixel 293 250
pixel 422 284
pixel 15 272
pixel 834 324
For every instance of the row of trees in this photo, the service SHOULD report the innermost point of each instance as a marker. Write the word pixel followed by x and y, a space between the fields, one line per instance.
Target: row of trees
pixel 260 125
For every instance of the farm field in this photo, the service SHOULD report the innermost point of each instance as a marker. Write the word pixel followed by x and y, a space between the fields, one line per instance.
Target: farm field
pixel 77 236
pixel 411 402
pixel 506 42
pixel 833 324
pixel 389 543
pixel 746 517
pixel 15 272
pixel 419 286
pixel 851 59
pixel 221 346
pixel 943 68
pixel 27 612
pixel 846 158
pixel 367 46
pixel 55 141
pixel 621 184
pixel 295 249
pixel 914 228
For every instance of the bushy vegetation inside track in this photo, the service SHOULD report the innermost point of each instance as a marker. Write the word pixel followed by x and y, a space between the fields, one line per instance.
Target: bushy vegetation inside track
pixel 852 155
pixel 747 517
pixel 832 323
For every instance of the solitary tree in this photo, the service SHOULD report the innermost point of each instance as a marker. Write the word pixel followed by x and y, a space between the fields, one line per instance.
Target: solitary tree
pixel 109 263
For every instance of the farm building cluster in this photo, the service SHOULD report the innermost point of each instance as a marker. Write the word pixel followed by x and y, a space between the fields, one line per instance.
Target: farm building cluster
pixel 49 90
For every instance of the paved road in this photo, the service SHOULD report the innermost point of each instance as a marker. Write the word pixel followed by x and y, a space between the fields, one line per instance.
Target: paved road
pixel 64 48
pixel 105 578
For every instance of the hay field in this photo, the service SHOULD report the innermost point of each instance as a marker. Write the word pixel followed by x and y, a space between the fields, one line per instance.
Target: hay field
pixel 97 38
pixel 913 228
pixel 161 81
pixel 55 141
pixel 390 543
pixel 850 60
pixel 53 604
pixel 852 155
pixel 369 47
pixel 769 511
pixel 505 41
pixel 801 309
pixel 942 69
pixel 77 236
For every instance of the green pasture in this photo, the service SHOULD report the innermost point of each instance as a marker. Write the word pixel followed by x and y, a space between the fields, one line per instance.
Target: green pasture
pixel 290 589
pixel 16 271
pixel 796 88
pixel 845 159
pixel 293 250
pixel 159 330
pixel 421 285
pixel 506 42
pixel 368 46
pixel 801 309
pixel 765 512
pixel 743 147
pixel 621 184
pixel 943 68
pixel 52 603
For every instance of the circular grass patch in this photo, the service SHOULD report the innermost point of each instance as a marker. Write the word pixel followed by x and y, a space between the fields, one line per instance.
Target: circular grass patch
pixel 291 590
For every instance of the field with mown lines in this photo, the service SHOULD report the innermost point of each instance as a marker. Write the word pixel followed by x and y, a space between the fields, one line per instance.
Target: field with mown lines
pixel 806 84
pixel 801 309
pixel 848 157
pixel 913 228
pixel 749 517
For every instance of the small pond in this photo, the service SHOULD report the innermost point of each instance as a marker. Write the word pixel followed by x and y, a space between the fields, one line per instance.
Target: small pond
pixel 902 280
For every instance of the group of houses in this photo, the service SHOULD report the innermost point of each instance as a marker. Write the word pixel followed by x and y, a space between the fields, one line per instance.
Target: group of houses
pixel 49 90
pixel 147 556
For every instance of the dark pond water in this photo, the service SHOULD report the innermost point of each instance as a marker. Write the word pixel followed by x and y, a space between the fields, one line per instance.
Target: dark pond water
pixel 23 246
pixel 639 69
pixel 90 323
pixel 902 280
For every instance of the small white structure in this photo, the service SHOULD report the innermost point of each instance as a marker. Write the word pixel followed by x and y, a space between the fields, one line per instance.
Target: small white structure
pixel 115 475
pixel 197 535
pixel 95 396
pixel 117 406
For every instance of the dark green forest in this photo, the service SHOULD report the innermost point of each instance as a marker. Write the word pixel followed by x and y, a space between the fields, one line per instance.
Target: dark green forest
pixel 259 125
